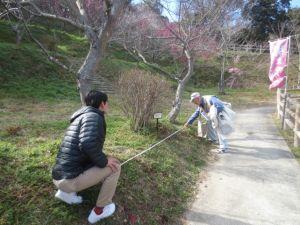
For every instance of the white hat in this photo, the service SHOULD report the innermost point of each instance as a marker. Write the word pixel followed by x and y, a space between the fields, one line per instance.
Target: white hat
pixel 194 95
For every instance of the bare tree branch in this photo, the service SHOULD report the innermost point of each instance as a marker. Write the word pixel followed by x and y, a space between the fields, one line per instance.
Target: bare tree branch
pixel 8 11
pixel 52 16
pixel 51 58
pixel 170 37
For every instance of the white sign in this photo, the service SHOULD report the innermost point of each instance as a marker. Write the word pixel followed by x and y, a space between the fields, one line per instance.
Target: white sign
pixel 157 115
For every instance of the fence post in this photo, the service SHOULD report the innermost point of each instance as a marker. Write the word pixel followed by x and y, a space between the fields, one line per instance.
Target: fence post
pixel 286 115
pixel 260 49
pixel 297 125
pixel 281 100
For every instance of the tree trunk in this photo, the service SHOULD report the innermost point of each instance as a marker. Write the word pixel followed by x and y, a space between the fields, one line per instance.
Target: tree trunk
pixel 84 86
pixel 180 89
pixel 98 44
pixel 87 71
pixel 18 37
pixel 221 82
pixel 177 103
pixel 16 28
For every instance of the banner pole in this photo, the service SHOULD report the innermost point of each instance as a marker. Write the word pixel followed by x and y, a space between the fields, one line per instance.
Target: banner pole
pixel 286 84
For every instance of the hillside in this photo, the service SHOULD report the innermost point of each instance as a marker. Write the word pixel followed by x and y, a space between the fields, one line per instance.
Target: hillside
pixel 36 100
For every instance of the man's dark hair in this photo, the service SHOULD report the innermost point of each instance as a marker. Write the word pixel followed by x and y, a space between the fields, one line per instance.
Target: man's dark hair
pixel 95 98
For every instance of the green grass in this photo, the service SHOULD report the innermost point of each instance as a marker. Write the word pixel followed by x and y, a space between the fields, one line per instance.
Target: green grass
pixel 154 187
pixel 25 73
pixel 55 40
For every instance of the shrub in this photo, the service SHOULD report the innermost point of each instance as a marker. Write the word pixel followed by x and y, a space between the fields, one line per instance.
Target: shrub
pixel 140 92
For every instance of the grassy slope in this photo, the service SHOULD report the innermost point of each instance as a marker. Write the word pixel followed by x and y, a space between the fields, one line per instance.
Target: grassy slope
pixel 36 100
pixel 155 187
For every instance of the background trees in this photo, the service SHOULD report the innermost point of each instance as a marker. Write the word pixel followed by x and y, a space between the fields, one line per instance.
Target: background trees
pixel 96 19
pixel 191 31
pixel 266 17
pixel 169 38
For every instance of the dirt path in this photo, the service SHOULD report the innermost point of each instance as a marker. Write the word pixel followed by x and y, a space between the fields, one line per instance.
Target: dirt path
pixel 257 183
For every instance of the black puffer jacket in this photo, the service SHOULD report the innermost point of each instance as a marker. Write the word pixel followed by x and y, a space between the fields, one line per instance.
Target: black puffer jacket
pixel 82 145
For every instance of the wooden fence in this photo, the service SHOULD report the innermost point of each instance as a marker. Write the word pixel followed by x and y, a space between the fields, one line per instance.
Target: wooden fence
pixel 249 48
pixel 258 48
pixel 292 113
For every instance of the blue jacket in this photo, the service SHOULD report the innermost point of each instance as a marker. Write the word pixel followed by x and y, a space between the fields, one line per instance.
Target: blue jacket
pixel 203 107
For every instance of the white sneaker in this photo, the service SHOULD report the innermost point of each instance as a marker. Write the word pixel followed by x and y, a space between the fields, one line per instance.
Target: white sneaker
pixel 108 210
pixel 69 198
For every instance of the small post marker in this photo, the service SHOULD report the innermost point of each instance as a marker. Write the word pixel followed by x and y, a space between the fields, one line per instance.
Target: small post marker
pixel 157 116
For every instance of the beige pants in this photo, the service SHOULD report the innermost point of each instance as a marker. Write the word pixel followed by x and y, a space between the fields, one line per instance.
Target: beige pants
pixel 90 178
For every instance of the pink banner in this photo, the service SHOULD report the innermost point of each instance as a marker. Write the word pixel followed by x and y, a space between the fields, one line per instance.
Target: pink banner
pixel 279 54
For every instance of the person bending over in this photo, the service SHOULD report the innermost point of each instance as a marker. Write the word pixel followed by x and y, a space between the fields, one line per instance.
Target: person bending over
pixel 217 113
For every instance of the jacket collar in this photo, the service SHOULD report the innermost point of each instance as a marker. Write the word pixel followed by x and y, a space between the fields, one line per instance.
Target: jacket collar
pixel 85 109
